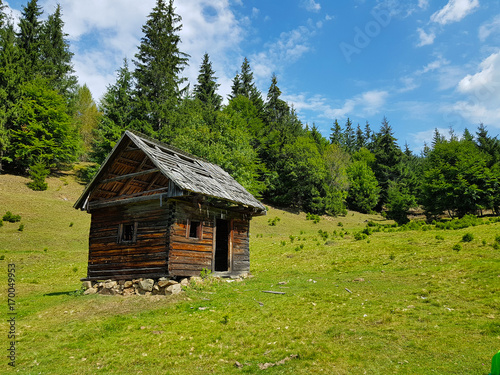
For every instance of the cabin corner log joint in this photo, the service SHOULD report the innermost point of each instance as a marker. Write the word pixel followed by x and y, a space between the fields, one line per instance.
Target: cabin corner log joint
pixel 157 211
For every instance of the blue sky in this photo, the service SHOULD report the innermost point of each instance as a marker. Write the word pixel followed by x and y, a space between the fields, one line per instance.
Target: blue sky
pixel 423 64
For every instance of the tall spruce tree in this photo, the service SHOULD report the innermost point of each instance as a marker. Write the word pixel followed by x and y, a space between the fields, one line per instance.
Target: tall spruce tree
pixel 159 64
pixel 56 56
pixel 9 83
pixel 243 84
pixel 116 109
pixel 387 155
pixel 337 135
pixel 29 40
pixel 206 88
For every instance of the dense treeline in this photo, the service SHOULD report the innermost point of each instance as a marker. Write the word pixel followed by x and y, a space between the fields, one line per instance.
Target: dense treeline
pixel 47 120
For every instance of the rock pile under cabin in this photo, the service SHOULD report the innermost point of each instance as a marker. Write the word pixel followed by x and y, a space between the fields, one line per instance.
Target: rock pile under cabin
pixel 160 214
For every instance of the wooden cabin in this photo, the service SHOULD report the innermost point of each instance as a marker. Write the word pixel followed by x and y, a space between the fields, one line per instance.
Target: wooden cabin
pixel 160 212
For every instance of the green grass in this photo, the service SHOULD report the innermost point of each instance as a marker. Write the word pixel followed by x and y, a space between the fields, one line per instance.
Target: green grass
pixel 394 302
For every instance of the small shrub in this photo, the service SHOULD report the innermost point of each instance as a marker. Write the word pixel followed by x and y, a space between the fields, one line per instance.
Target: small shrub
pixel 467 237
pixel 21 228
pixel 225 319
pixel 1 223
pixel 339 224
pixel 392 256
pixel 283 243
pixel 359 236
pixel 324 235
pixel 496 246
pixel 439 237
pixel 2 257
pixel 45 249
pixel 292 238
pixel 38 173
pixel 484 242
pixel 497 239
pixel 11 218
pixel 273 222
pixel 70 224
pixel 315 218
pixel 457 247
pixel 75 269
pixel 205 272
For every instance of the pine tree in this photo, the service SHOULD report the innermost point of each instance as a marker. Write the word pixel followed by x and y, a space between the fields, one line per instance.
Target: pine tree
pixel 337 135
pixel 243 84
pixel 206 88
pixel 116 110
pixel 235 87
pixel 360 139
pixel 275 109
pixel 159 64
pixel 3 16
pixel 56 57
pixel 349 138
pixel 9 85
pixel 28 39
pixel 387 155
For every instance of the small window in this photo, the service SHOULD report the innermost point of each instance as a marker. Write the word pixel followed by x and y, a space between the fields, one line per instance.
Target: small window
pixel 194 229
pixel 127 233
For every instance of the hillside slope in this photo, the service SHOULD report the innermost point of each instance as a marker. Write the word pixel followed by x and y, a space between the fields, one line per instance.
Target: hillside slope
pixel 394 301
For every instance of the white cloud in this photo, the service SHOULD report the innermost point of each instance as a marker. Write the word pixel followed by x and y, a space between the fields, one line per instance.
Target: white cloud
pixel 489 28
pixel 483 93
pixel 289 48
pixel 454 11
pixel 102 36
pixel 311 5
pixel 423 4
pixel 365 104
pixel 425 39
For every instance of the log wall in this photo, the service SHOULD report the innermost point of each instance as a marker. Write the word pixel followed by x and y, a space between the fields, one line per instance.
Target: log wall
pixel 146 257
pixel 162 245
pixel 189 256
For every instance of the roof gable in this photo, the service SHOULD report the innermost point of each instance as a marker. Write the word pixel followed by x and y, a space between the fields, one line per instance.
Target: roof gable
pixel 141 166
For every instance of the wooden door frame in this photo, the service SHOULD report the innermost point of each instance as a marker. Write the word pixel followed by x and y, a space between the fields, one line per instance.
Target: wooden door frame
pixel 230 224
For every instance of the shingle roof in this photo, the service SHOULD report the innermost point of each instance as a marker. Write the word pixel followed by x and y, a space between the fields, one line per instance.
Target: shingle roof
pixel 187 172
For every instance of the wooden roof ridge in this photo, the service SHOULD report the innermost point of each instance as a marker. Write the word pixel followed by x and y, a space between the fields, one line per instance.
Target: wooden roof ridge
pixel 188 172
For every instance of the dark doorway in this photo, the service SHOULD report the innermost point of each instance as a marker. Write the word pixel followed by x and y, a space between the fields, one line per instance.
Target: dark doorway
pixel 221 246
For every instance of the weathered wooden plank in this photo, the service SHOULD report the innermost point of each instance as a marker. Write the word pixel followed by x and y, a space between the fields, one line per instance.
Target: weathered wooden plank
pixel 192 247
pixel 189 254
pixel 193 267
pixel 189 240
pixel 125 265
pixel 129 175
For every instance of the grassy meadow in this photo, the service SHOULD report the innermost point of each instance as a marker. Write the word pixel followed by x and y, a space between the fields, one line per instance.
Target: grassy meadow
pixel 418 301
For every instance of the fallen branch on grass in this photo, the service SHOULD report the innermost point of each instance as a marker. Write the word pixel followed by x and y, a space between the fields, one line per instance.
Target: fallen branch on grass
pixel 272 292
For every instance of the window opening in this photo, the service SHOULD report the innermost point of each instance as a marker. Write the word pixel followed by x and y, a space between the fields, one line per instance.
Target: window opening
pixel 127 233
pixel 195 229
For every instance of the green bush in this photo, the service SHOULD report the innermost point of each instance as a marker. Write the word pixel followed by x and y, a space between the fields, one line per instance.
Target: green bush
pixel 11 218
pixel 457 247
pixel 358 236
pixel 467 237
pixel 439 237
pixel 21 228
pixel 38 172
pixel 273 222
pixel 315 218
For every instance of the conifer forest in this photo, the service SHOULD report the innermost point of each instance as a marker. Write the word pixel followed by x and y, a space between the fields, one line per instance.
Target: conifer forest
pixel 49 121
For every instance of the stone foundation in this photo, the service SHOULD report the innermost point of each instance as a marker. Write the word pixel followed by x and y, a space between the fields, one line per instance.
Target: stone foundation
pixel 162 286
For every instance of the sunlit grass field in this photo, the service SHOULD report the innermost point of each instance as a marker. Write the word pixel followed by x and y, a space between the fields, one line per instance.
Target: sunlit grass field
pixel 393 302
